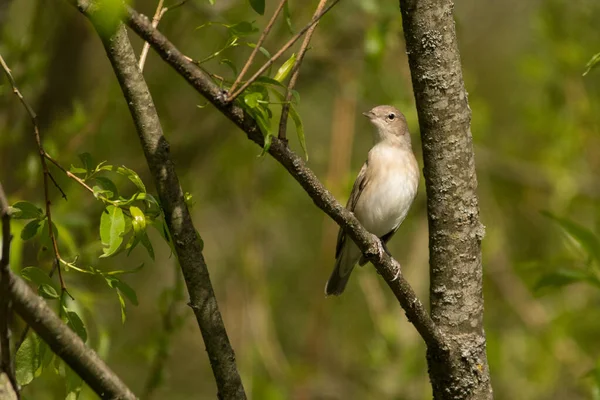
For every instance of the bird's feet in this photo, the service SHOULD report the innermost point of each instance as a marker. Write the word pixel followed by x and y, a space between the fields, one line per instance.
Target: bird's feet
pixel 379 248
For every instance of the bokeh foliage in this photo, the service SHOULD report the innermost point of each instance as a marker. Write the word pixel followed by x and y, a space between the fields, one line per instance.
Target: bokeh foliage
pixel 536 130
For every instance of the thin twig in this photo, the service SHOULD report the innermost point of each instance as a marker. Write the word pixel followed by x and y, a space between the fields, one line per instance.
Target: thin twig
pixel 38 141
pixel 6 363
pixel 286 46
pixel 160 12
pixel 295 72
pixel 69 173
pixel 262 38
pixel 63 194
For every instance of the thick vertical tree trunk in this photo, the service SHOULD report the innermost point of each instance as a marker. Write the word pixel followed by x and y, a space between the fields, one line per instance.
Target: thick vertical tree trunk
pixel 455 231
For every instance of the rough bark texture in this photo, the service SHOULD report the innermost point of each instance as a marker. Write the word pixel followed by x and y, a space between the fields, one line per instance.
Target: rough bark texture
pixel 455 231
pixel 385 265
pixel 186 241
pixel 65 343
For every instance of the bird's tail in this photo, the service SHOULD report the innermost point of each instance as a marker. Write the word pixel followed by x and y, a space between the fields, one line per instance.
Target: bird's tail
pixel 344 265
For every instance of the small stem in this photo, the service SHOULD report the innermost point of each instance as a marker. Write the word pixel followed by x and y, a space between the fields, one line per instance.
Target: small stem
pixel 295 72
pixel 262 38
pixel 158 14
pixel 286 46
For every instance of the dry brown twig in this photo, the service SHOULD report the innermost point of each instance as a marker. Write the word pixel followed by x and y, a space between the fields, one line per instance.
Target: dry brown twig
pixel 47 176
pixel 262 38
pixel 285 47
pixel 285 109
pixel 160 12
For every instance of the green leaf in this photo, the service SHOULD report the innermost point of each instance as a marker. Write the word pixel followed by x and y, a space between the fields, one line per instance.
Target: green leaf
pixel 38 277
pixel 288 16
pixel 124 288
pixel 77 170
pixel 138 220
pixel 73 383
pixel 264 51
pixel 270 81
pixel 299 129
pixel 285 69
pixel 98 191
pixel 48 292
pixel 76 324
pixel 251 99
pixel 230 64
pixel 148 245
pixel 586 239
pixel 25 210
pixel 107 184
pixel 28 360
pixel 87 161
pixel 132 176
pixel 562 277
pixel 31 229
pixel 241 29
pixel 258 6
pixel 593 63
pixel 112 226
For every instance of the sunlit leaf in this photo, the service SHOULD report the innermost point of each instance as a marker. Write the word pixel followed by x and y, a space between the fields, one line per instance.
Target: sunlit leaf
pixel 251 99
pixel 133 177
pixel 285 69
pixel 112 227
pixel 48 292
pixel 138 220
pixel 593 63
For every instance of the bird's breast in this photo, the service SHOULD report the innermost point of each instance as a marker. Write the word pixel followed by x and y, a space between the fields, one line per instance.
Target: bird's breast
pixel 390 192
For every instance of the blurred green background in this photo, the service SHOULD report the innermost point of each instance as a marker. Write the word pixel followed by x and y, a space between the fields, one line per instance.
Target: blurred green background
pixel 536 126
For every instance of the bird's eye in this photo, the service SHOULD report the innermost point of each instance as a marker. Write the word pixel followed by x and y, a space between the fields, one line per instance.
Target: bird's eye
pixel 391 116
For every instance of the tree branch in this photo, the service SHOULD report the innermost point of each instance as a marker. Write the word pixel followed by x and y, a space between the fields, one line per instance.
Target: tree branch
pixel 285 109
pixel 6 362
pixel 455 231
pixel 65 343
pixel 232 96
pixel 185 239
pixel 384 264
pixel 262 38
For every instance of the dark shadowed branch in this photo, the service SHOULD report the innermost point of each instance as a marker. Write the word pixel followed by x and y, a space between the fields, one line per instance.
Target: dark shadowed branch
pixel 295 165
pixel 455 231
pixel 66 343
pixel 185 239
pixel 6 362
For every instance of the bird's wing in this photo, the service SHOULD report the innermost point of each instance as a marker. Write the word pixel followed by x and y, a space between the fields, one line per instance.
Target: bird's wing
pixel 358 188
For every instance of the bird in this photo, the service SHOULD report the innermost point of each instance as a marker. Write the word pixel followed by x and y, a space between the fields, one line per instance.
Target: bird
pixel 382 193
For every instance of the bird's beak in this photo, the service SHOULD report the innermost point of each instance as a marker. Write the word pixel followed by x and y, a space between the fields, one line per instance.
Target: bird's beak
pixel 369 114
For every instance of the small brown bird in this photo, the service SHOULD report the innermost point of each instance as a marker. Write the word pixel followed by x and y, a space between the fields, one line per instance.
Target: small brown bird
pixel 382 193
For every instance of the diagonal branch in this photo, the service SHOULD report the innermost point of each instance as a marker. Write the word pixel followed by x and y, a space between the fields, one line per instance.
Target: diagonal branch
pixel 285 109
pixel 65 343
pixel 6 362
pixel 185 239
pixel 384 264
pixel 262 38
pixel 285 47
